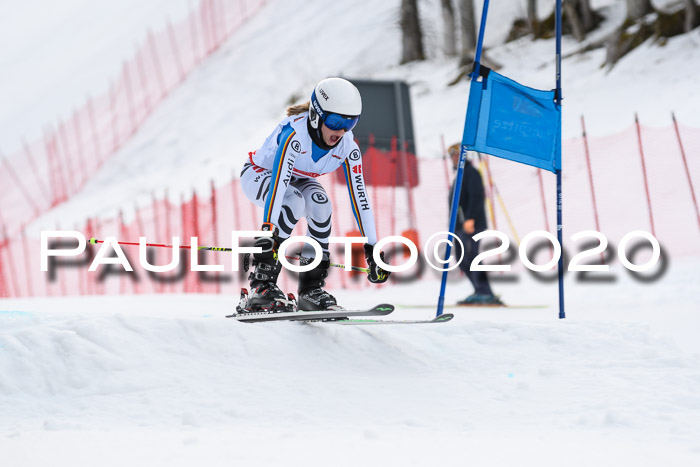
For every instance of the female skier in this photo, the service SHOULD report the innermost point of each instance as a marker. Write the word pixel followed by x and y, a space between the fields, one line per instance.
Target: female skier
pixel 313 140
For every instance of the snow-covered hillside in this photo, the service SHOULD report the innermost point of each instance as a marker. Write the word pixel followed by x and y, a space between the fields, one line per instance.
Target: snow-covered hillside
pixel 205 129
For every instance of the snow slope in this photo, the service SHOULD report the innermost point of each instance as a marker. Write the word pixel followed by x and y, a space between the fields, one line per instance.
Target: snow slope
pixel 166 380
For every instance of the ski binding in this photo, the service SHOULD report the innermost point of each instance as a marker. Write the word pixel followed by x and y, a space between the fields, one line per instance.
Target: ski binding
pixel 264 314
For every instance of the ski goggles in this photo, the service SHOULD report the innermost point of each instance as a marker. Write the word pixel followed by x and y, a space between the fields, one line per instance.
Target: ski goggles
pixel 340 122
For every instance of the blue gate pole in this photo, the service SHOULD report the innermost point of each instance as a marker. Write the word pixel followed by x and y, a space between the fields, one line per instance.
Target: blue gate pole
pixel 457 189
pixel 480 42
pixel 560 233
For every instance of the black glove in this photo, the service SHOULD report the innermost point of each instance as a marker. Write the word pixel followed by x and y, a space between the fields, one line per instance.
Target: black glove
pixel 376 275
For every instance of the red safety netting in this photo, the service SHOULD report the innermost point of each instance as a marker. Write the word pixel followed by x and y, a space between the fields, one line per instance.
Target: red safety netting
pixel 47 172
pixel 521 199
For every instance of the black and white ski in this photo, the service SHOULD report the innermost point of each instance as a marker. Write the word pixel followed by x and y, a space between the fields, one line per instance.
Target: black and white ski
pixel 406 305
pixel 439 319
pixel 322 315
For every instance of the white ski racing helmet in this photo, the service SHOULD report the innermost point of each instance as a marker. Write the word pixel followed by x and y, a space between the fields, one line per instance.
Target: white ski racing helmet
pixel 335 102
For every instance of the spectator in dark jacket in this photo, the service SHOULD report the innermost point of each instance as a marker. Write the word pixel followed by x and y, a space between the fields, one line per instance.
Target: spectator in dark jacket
pixel 471 220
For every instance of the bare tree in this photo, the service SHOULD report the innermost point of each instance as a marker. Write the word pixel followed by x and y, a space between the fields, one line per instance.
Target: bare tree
pixel 633 31
pixel 411 32
pixel 468 33
pixel 467 22
pixel 638 8
pixel 574 20
pixel 691 15
pixel 532 21
pixel 579 17
pixel 586 15
pixel 448 21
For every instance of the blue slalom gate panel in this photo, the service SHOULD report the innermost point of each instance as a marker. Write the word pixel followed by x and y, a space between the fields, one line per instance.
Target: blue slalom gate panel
pixel 512 121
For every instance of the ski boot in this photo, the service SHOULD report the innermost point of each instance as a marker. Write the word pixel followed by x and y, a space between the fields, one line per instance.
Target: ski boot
pixel 311 295
pixel 481 300
pixel 265 296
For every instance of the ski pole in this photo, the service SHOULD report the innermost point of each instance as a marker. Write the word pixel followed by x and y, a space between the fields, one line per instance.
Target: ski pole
pixel 94 241
pixel 493 189
pixel 486 173
pixel 505 211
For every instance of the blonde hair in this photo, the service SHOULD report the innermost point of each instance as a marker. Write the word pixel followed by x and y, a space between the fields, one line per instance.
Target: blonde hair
pixel 298 109
pixel 454 149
